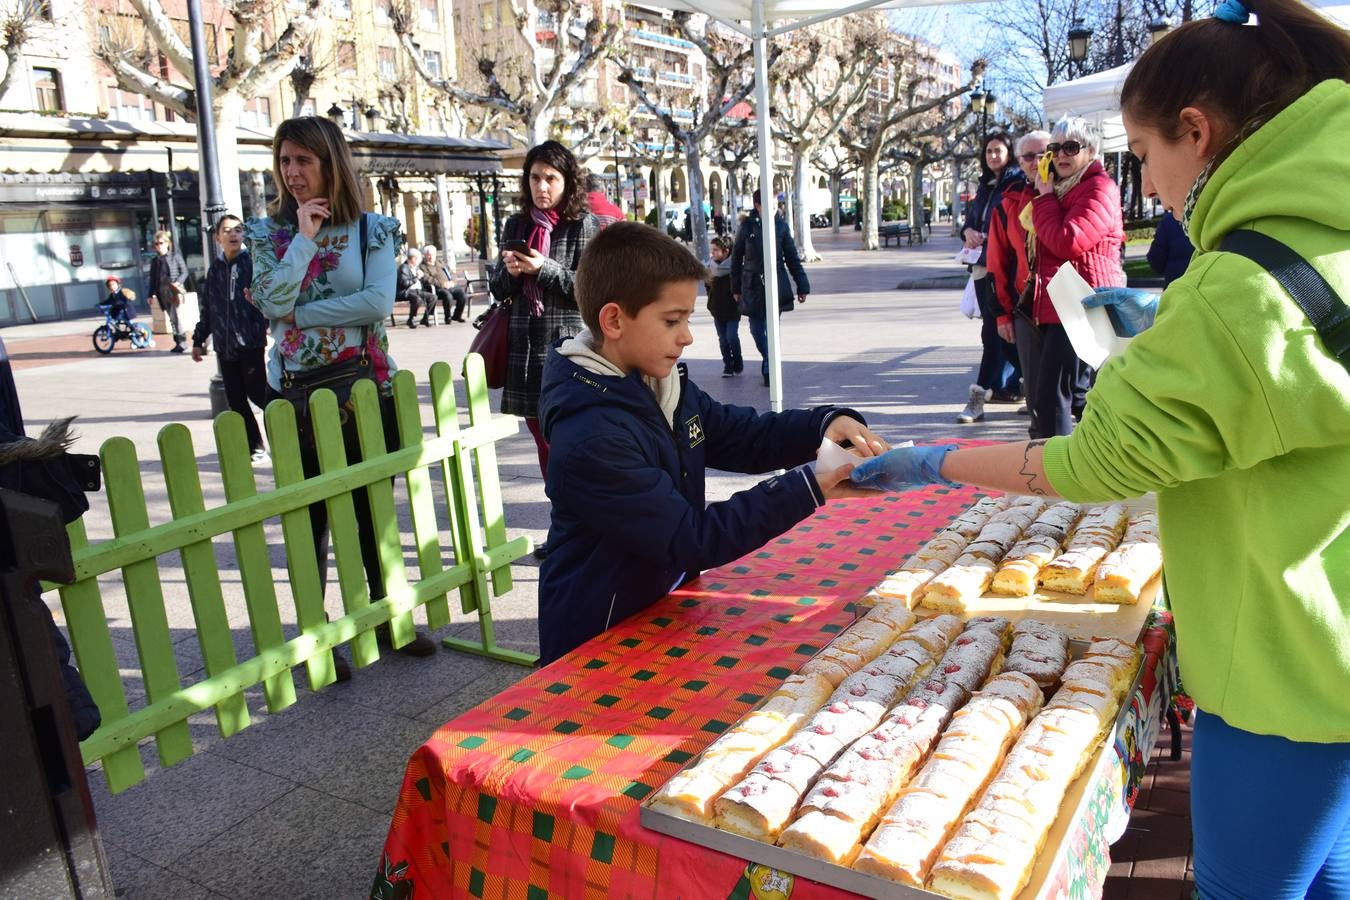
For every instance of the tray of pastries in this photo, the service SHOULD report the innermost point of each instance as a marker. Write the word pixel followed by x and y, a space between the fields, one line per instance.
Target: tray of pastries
pixel 911 757
pixel 1090 570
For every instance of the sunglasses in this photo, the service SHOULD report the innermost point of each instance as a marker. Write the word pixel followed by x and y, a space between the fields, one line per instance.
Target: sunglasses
pixel 1029 157
pixel 1070 148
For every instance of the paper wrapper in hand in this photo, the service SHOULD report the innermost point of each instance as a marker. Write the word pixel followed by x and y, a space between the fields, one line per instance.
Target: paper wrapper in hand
pixel 830 456
pixel 1089 330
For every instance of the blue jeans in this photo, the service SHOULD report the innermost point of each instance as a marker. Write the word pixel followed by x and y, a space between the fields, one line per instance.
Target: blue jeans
pixel 729 341
pixel 1270 816
pixel 759 330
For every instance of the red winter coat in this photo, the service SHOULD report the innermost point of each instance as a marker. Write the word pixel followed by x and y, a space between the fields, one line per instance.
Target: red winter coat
pixel 1006 256
pixel 1084 229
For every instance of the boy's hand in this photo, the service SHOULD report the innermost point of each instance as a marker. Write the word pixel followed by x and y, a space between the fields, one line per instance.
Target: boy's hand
pixel 837 485
pixel 864 442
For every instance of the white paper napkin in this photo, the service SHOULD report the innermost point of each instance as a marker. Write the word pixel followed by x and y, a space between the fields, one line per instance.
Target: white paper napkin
pixel 1089 330
pixel 831 456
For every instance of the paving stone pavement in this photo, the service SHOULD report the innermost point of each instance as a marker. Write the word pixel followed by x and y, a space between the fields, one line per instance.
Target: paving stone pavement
pixel 297 804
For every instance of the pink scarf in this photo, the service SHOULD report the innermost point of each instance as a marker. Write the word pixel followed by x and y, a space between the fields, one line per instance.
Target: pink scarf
pixel 541 239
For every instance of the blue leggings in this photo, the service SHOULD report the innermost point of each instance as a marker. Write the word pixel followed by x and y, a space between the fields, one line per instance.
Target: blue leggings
pixel 1271 816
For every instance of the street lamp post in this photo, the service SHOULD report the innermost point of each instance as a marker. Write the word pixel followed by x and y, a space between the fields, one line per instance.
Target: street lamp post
pixel 985 105
pixel 214 206
pixel 337 115
pixel 1079 38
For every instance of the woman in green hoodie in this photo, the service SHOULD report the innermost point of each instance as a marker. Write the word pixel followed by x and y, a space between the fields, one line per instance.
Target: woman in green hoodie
pixel 1235 408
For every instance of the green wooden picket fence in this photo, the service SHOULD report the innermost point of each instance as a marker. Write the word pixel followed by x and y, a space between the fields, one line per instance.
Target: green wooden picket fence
pixel 481 558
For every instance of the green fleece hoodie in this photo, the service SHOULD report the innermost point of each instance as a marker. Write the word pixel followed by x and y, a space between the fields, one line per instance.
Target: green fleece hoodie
pixel 1231 408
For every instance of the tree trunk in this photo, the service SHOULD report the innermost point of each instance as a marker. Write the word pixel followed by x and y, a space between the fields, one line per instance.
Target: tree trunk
pixel 872 212
pixel 228 108
pixel 537 128
pixel 836 188
pixel 658 195
pixel 916 198
pixel 698 222
pixel 956 198
pixel 732 202
pixel 804 245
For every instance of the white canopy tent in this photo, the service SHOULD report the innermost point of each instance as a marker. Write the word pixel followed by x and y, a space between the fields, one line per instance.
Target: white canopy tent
pixel 1096 97
pixel 791 15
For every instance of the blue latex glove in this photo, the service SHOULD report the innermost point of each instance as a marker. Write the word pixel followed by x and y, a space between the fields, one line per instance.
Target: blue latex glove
pixel 1131 310
pixel 903 469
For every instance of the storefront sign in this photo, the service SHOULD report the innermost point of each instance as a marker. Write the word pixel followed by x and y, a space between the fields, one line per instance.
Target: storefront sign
pixel 69 193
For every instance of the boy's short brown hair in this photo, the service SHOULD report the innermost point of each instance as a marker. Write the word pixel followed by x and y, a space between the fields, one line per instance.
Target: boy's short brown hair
pixel 629 263
pixel 723 243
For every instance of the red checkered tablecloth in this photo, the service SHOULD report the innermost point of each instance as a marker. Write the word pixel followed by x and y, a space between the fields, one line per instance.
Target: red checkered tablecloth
pixel 535 793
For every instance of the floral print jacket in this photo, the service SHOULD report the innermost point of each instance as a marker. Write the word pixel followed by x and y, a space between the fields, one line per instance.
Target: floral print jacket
pixel 321 281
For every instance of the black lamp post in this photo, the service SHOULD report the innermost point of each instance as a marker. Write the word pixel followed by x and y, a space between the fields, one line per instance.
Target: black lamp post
pixel 984 104
pixel 337 115
pixel 373 118
pixel 1080 37
pixel 1157 28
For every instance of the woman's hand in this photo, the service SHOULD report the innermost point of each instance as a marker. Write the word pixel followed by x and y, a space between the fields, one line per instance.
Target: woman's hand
pixel 1007 332
pixel 1043 187
pixel 310 217
pixel 848 429
pixel 524 264
pixel 973 238
pixel 837 485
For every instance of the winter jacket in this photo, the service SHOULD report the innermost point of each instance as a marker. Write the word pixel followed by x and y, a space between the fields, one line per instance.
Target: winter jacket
pixel 1170 252
pixel 1083 229
pixel 721 302
pixel 747 267
pixel 168 269
pixel 604 210
pixel 223 311
pixel 1231 407
pixel 1006 249
pixel 629 517
pixel 987 199
pixel 528 338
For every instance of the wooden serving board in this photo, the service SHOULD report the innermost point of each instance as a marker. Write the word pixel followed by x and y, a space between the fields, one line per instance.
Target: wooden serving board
pixel 1082 619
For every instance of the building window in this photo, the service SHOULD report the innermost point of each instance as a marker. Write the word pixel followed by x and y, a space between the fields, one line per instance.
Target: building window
pixel 342 9
pixel 257 114
pixel 346 59
pixel 487 16
pixel 47 90
pixel 129 106
pixel 382 12
pixel 388 62
pixel 432 60
pixel 431 14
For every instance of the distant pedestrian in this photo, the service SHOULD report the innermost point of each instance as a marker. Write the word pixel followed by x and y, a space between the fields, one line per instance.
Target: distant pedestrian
pixel 722 304
pixel 168 273
pixel 747 277
pixel 1170 252
pixel 438 278
pixel 238 331
pixel 413 288
pixel 604 210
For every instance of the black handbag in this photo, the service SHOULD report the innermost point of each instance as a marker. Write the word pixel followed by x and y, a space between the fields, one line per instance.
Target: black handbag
pixel 340 378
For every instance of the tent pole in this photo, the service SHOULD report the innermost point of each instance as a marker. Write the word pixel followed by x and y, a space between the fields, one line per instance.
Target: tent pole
pixel 768 206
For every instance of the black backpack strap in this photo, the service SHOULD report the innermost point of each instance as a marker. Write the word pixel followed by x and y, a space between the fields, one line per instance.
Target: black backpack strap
pixel 1319 302
pixel 365 239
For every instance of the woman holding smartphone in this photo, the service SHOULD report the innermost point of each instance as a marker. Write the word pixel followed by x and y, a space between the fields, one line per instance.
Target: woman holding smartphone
pixel 541 247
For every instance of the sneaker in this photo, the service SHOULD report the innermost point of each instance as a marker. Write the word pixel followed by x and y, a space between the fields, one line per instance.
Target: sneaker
pixel 1005 397
pixel 541 550
pixel 974 411
pixel 420 645
pixel 728 372
pixel 412 324
pixel 258 456
pixel 177 348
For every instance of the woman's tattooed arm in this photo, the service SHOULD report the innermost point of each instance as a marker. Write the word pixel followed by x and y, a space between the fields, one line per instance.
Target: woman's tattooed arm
pixel 1012 468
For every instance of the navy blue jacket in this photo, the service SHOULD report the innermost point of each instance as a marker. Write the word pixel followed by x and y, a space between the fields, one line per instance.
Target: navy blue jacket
pixel 630 519
pixel 228 319
pixel 1170 253
pixel 747 267
pixel 988 198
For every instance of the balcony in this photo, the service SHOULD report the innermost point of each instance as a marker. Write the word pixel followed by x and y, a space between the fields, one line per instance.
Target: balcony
pixel 663 41
pixel 676 78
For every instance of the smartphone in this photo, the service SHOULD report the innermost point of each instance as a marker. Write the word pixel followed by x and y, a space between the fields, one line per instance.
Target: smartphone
pixel 1047 165
pixel 517 247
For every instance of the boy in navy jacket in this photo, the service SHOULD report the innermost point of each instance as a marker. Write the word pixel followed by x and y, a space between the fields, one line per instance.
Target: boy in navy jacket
pixel 630 436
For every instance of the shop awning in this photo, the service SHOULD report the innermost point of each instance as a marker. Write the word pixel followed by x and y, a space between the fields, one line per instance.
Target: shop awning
pixel 46 144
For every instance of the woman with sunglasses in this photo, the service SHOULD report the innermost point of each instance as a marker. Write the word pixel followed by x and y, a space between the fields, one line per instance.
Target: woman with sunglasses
pixel 1235 408
pixel 999 375
pixel 1076 219
pixel 1011 257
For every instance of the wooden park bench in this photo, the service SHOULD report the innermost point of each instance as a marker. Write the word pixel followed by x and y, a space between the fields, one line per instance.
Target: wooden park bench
pixel 452 468
pixel 894 231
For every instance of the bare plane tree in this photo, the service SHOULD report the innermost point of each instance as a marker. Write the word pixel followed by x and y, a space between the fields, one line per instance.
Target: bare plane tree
pixel 17 20
pixel 900 109
pixel 821 82
pixel 836 161
pixel 526 99
pixel 256 63
pixel 730 80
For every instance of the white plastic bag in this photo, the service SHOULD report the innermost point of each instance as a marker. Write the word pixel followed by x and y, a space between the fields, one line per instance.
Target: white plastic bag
pixel 970 304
